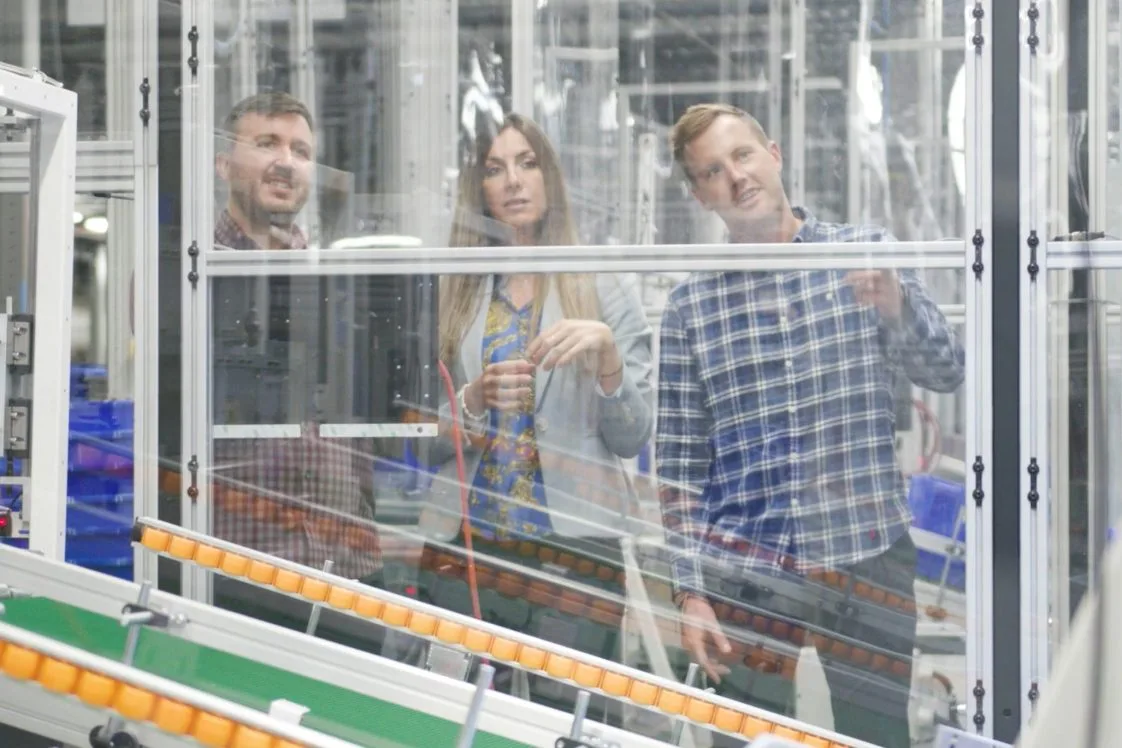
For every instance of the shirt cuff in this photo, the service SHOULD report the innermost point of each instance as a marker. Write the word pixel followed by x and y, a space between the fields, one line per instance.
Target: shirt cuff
pixel 685 572
pixel 614 396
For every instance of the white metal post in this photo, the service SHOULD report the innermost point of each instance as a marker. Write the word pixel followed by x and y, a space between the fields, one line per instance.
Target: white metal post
pixel 198 238
pixel 146 289
pixel 796 149
pixel 979 328
pixel 53 160
pixel 1036 549
pixel 522 26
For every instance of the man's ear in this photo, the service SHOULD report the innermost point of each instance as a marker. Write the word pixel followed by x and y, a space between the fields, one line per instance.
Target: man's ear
pixel 773 149
pixel 222 166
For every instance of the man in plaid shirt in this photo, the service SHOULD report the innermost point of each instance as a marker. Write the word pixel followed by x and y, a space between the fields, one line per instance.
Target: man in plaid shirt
pixel 776 426
pixel 307 500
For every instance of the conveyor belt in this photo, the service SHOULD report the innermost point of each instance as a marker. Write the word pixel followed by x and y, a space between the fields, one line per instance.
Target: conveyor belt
pixel 501 645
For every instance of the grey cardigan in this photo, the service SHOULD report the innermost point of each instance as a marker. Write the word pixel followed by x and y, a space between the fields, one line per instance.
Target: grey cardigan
pixel 581 433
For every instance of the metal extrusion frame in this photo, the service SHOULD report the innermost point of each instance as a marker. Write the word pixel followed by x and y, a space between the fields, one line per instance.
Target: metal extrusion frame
pixel 53 162
pixel 198 227
pixel 146 288
pixel 979 327
pixel 1034 402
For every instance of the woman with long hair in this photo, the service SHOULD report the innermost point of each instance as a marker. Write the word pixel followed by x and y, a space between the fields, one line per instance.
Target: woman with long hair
pixel 552 374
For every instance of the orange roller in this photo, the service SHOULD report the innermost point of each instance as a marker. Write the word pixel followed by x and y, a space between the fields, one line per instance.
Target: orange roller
pixel 878 596
pixel 587 676
pixel 156 540
pixel 19 663
pixel 754 727
pixel 615 684
pixel 134 703
pixel 547 555
pixel 238 502
pixel 643 693
pixel 510 585
pixel 699 711
pixel 369 607
pixel 288 581
pixel 171 716
pixel 812 741
pixel 286 744
pixel 341 598
pixel 572 603
pixel 568 560
pixel 476 641
pixel 58 676
pixel 449 631
pixel 263 509
pixel 169 482
pixel 559 667
pixel 527 549
pixel 395 615
pixel 182 548
pixel 208 556
pixel 540 593
pixel 671 702
pixel 605 573
pixel 213 730
pixel 422 624
pixel 262 573
pixel 727 720
pixel 314 590
pixel 585 567
pixel 504 649
pixel 246 737
pixel 95 689
pixel 788 733
pixel 234 565
pixel 531 658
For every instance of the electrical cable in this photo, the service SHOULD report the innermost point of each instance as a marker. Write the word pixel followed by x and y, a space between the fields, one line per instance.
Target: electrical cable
pixel 461 474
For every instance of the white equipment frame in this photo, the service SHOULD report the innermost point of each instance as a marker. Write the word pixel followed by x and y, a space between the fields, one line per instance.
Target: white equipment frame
pixel 53 154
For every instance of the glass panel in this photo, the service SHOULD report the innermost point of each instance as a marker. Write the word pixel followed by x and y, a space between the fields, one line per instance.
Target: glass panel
pixel 1085 389
pixel 88 45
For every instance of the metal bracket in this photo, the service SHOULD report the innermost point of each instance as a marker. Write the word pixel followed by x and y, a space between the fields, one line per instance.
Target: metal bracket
pixel 193 60
pixel 978 265
pixel 1033 16
pixel 978 494
pixel 1033 471
pixel 1033 243
pixel 193 274
pixel 978 39
pixel 193 469
pixel 145 112
pixel 979 712
pixel 21 343
pixel 17 427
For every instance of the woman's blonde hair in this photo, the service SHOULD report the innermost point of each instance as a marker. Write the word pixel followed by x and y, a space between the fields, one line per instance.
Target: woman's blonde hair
pixel 461 295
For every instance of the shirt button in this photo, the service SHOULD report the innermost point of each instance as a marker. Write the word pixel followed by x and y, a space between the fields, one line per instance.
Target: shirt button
pixel 789 364
pixel 795 503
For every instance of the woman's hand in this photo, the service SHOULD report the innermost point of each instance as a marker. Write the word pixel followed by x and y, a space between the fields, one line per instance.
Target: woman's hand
pixel 564 341
pixel 503 386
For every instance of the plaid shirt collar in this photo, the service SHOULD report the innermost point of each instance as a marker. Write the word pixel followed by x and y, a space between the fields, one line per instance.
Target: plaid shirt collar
pixel 229 234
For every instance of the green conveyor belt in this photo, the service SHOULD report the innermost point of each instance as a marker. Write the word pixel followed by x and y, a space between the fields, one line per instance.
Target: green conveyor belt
pixel 334 711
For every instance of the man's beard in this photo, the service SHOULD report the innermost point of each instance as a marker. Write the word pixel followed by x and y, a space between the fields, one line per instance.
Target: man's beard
pixel 261 217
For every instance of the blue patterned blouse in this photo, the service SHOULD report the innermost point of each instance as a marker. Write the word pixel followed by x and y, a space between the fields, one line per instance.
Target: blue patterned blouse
pixel 508 484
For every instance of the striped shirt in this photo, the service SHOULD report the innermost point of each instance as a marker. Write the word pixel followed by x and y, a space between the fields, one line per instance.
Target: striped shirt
pixel 776 419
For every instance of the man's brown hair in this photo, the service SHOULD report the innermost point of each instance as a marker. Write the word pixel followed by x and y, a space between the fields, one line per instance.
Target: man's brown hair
pixel 699 118
pixel 268 104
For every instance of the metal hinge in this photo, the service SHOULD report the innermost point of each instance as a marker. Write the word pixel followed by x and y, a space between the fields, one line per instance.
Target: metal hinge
pixel 1034 693
pixel 979 468
pixel 1033 471
pixel 978 241
pixel 145 112
pixel 193 273
pixel 979 713
pixel 1033 38
pixel 193 60
pixel 1033 243
pixel 193 469
pixel 978 13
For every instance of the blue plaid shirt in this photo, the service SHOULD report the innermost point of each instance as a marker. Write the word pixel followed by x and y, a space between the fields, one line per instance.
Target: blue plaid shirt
pixel 776 418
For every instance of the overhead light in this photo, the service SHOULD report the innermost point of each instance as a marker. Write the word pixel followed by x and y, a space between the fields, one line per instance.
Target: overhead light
pixel 97 225
pixel 78 217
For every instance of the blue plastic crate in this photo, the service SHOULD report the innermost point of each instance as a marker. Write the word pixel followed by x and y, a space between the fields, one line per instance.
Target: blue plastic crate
pixel 935 505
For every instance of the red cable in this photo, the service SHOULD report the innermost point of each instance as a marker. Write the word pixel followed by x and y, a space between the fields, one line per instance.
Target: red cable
pixel 461 472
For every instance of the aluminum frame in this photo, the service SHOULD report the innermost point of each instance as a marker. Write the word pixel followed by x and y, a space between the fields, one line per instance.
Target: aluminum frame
pixel 979 380
pixel 1036 546
pixel 53 162
pixel 102 166
pixel 146 289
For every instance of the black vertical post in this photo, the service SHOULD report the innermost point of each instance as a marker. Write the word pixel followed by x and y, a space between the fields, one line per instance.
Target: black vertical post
pixel 1004 278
